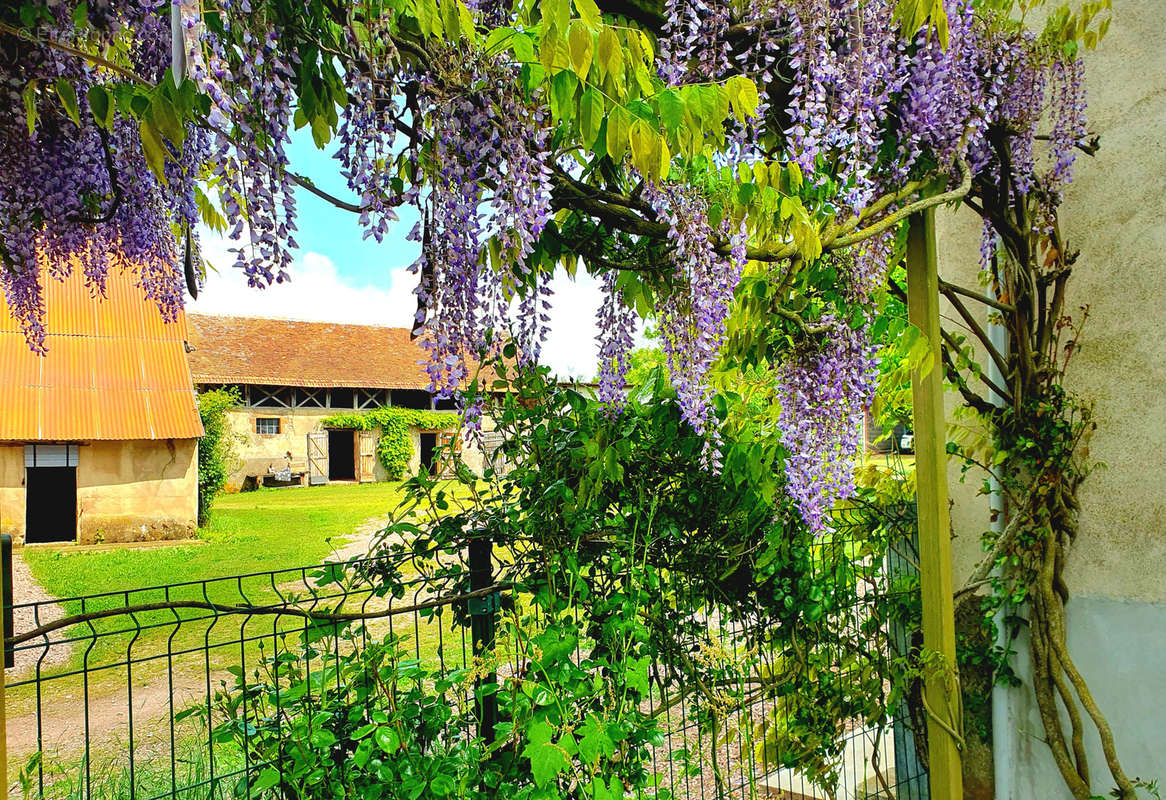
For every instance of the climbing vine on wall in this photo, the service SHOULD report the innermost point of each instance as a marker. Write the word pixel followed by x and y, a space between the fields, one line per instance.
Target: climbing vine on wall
pixel 216 449
pixel 395 446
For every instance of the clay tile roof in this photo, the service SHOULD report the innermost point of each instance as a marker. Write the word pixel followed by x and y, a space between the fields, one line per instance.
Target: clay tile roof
pixel 283 352
pixel 114 368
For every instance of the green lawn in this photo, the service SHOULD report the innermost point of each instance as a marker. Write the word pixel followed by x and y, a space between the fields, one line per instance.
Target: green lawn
pixel 256 532
pixel 263 530
pixel 259 531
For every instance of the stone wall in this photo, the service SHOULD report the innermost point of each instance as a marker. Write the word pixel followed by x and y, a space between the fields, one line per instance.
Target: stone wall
pixel 127 491
pixel 137 491
pixel 12 510
pixel 259 453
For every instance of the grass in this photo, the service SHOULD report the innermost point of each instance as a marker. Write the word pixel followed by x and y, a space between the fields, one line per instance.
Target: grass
pixel 259 531
pixel 252 532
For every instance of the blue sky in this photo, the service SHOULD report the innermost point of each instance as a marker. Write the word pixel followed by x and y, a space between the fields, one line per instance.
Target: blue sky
pixel 340 277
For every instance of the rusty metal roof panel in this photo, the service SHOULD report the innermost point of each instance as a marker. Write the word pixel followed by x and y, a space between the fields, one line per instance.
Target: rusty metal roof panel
pixel 114 368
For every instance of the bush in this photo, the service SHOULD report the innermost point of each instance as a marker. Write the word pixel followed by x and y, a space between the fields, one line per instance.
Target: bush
pixel 366 722
pixel 216 449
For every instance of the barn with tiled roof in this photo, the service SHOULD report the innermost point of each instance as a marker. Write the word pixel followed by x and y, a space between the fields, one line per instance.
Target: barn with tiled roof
pixel 291 376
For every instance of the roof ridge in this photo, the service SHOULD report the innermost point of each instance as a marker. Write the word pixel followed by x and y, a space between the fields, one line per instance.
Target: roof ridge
pixel 212 315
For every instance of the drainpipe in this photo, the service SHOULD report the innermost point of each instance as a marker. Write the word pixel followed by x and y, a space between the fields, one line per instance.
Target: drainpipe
pixel 1003 727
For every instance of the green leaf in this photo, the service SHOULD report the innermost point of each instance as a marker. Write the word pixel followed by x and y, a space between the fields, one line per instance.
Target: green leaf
pixel 557 13
pixel 594 741
pixel 267 779
pixel 100 106
pixel 29 97
pixel 649 150
pixel 709 103
pixel 563 87
pixel 589 13
pixel 442 785
pixel 153 149
pixel 321 133
pixel 387 739
pixel 742 96
pixel 637 674
pixel 547 760
pixel 451 20
pixel 671 109
pixel 523 47
pixel 548 46
pixel 162 116
pixel 581 48
pixel 322 738
pixel 428 17
pixel 794 171
pixel 590 115
pixel 618 123
pixel 716 214
pixel 498 40
pixel 610 54
pixel 68 96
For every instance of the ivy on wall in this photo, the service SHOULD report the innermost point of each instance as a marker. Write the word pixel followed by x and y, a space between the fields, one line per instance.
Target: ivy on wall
pixel 216 449
pixel 395 446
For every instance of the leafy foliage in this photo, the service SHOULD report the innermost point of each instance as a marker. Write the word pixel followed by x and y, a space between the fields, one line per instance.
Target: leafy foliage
pixel 395 445
pixel 615 530
pixel 216 449
pixel 372 723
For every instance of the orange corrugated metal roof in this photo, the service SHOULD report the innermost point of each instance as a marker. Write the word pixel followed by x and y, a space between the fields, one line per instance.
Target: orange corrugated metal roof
pixel 114 368
pixel 283 352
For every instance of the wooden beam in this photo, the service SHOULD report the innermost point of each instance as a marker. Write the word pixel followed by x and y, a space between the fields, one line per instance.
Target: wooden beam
pixel 941 684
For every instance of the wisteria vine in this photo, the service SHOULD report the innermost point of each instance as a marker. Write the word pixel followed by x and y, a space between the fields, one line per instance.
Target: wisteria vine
pixel 475 135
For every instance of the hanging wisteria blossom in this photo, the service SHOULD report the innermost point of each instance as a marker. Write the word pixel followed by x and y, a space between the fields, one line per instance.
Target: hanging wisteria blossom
pixel 663 153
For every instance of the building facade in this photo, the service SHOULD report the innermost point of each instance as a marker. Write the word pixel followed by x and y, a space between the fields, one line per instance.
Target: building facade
pixel 98 437
pixel 292 376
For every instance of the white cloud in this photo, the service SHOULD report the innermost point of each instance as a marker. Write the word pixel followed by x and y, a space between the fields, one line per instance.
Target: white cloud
pixel 570 348
pixel 318 291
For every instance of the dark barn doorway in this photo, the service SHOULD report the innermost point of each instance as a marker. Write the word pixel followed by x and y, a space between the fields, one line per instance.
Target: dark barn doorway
pixel 51 505
pixel 341 455
pixel 428 446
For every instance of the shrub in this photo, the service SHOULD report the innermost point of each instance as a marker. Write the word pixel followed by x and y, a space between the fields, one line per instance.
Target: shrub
pixel 216 449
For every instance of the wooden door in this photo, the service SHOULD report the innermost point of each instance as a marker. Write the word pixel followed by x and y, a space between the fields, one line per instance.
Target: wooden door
pixel 448 448
pixel 366 451
pixel 317 458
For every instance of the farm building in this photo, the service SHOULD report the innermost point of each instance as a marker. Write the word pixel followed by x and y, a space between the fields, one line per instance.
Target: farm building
pixel 98 437
pixel 294 379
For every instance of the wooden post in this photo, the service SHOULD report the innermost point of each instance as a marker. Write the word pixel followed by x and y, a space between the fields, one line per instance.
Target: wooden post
pixel 6 594
pixel 941 685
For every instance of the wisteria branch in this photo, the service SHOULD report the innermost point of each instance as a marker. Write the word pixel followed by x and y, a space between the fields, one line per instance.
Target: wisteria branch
pixel 978 330
pixel 945 286
pixel 114 185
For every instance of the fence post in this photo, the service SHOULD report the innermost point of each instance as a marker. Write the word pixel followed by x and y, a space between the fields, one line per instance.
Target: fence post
pixel 9 653
pixel 941 684
pixel 902 561
pixel 6 582
pixel 483 615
